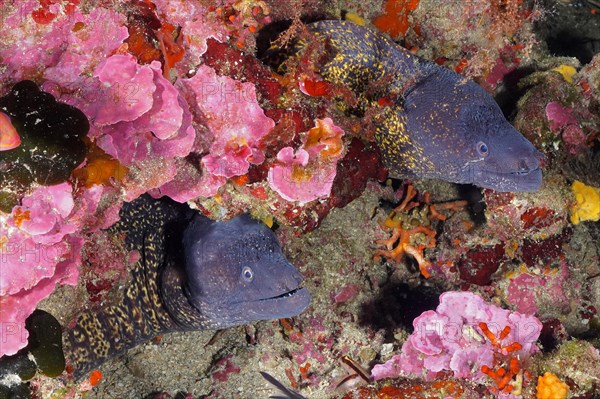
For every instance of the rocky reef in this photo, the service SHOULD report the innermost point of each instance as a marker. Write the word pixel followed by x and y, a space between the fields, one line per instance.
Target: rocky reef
pixel 421 288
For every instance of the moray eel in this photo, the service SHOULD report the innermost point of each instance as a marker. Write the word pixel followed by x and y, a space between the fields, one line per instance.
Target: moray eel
pixel 433 122
pixel 192 274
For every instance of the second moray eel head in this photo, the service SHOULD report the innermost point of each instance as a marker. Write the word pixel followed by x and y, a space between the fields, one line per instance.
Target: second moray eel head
pixel 236 273
pixel 437 124
pixel 464 137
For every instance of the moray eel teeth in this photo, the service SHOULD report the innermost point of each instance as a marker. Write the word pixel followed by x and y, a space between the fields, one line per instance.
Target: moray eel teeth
pixel 441 125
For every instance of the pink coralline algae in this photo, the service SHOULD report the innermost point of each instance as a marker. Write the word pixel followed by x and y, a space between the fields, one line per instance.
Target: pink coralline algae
pixel 39 249
pixel 467 336
pixel 307 173
pixel 139 114
pixel 230 111
pixel 83 51
pixel 61 50
pixel 526 291
pixel 563 121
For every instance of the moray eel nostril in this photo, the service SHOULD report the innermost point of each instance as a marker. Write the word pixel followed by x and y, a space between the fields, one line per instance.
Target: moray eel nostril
pixel 526 166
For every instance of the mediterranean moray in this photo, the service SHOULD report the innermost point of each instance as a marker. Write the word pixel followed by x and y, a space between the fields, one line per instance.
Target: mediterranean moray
pixel 433 123
pixel 192 274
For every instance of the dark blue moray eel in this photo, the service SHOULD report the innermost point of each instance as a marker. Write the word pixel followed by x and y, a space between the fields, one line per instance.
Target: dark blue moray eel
pixel 193 274
pixel 439 125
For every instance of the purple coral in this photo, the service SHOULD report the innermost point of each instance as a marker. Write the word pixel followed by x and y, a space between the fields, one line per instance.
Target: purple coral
pixel 464 335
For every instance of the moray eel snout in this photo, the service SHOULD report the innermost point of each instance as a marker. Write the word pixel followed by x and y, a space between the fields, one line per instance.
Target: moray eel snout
pixel 512 164
pixel 465 138
pixel 236 270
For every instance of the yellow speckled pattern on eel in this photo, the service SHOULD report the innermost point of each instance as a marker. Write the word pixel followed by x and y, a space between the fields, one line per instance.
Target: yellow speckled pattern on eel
pixel 432 122
pixel 193 273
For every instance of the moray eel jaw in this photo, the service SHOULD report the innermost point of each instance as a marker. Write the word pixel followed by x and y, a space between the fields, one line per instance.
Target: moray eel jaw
pixel 236 273
pixel 462 136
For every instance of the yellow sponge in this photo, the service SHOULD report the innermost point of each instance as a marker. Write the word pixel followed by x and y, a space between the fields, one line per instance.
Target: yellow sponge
pixel 587 206
pixel 567 72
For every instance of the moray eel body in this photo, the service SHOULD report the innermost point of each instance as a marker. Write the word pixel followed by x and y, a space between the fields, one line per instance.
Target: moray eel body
pixel 193 274
pixel 434 123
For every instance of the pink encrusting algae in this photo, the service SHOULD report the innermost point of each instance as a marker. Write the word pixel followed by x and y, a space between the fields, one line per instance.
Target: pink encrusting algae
pixel 468 337
pixel 40 249
pixel 307 173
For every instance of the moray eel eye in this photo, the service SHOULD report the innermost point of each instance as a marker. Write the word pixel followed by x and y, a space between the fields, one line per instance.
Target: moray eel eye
pixel 247 274
pixel 482 149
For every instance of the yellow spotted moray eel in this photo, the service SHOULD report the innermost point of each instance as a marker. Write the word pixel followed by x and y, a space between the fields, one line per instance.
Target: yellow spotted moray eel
pixel 192 274
pixel 433 123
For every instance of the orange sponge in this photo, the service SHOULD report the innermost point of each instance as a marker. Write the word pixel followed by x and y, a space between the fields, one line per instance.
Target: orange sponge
pixel 549 386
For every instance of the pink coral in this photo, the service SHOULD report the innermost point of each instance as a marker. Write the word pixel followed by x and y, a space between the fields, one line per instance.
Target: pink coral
pixel 81 50
pixel 464 335
pixel 235 124
pixel 563 121
pixel 232 113
pixel 61 50
pixel 526 290
pixel 39 250
pixel 139 114
pixel 308 173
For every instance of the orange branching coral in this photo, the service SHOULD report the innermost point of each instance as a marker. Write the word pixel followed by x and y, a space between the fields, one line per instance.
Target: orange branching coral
pixel 403 239
pixel 411 233
pixel 507 372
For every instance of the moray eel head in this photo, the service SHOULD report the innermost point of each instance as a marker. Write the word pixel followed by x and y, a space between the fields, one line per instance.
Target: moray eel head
pixel 459 134
pixel 237 273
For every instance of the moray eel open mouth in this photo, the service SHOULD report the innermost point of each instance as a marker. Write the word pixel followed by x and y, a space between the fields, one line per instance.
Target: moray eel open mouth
pixel 525 181
pixel 289 293
pixel 297 294
pixel 295 291
pixel 237 273
pixel 520 172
